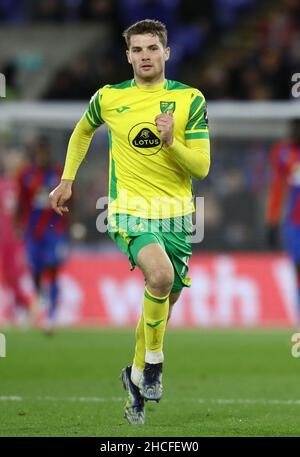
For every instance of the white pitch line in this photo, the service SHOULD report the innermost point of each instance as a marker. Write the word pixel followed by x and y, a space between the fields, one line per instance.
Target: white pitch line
pixel 224 401
pixel 80 399
pixel 220 401
pixel 10 398
pixel 71 399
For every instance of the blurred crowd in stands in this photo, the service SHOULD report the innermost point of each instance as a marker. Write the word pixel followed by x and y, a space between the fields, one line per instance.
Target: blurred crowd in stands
pixel 230 49
pixel 260 63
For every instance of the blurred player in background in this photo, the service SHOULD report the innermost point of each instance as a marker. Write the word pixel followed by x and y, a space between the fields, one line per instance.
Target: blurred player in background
pixel 14 271
pixel 284 198
pixel 158 140
pixel 45 233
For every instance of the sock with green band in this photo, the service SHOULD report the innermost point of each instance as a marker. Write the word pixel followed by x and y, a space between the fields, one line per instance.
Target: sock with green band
pixel 140 350
pixel 155 321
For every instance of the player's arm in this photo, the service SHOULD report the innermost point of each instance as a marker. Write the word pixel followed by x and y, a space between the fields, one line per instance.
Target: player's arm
pixel 194 155
pixel 77 149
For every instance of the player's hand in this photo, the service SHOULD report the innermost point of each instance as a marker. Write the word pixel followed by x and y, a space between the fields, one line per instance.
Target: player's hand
pixel 165 126
pixel 272 235
pixel 60 195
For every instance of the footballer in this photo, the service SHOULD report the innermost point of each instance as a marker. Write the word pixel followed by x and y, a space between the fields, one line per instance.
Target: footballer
pixel 158 140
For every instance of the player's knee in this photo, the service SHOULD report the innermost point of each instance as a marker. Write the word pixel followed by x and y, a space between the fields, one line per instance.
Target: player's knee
pixel 161 280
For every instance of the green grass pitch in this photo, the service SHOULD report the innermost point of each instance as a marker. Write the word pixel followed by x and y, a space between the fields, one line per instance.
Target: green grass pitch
pixel 216 383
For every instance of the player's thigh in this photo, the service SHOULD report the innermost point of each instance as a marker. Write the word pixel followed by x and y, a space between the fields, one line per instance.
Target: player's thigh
pixel 155 265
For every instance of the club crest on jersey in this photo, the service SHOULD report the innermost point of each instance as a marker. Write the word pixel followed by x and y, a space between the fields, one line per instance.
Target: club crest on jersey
pixel 167 106
pixel 144 138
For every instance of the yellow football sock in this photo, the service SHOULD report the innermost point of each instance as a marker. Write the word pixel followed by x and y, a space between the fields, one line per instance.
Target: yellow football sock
pixel 139 356
pixel 157 312
pixel 155 321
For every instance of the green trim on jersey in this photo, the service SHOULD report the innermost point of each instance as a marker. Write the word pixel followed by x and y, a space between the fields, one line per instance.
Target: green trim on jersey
pixel 96 106
pixel 169 85
pixel 113 179
pixel 93 113
pixel 174 85
pixel 196 135
pixel 123 85
pixel 95 126
pixel 195 105
pixel 197 124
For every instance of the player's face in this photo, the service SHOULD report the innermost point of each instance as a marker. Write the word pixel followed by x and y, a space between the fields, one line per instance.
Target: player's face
pixel 147 56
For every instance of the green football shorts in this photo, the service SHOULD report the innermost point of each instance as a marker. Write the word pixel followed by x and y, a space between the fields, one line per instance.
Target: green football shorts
pixel 131 233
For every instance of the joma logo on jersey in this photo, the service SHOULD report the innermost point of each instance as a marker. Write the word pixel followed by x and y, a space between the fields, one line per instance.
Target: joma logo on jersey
pixel 123 108
pixel 167 106
pixel 144 138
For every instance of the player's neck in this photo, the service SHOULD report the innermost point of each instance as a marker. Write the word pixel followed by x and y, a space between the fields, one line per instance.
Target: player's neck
pixel 153 82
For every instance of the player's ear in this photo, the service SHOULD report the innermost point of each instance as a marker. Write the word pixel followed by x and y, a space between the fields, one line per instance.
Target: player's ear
pixel 167 54
pixel 128 56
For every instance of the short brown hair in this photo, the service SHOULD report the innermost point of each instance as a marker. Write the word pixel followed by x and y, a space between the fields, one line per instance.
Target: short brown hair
pixel 147 26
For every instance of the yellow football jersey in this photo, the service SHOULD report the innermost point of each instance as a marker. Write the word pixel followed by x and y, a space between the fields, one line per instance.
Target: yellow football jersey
pixel 144 179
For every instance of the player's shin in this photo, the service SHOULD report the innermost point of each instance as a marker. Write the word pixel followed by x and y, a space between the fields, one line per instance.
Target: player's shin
pixel 155 320
pixel 139 356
